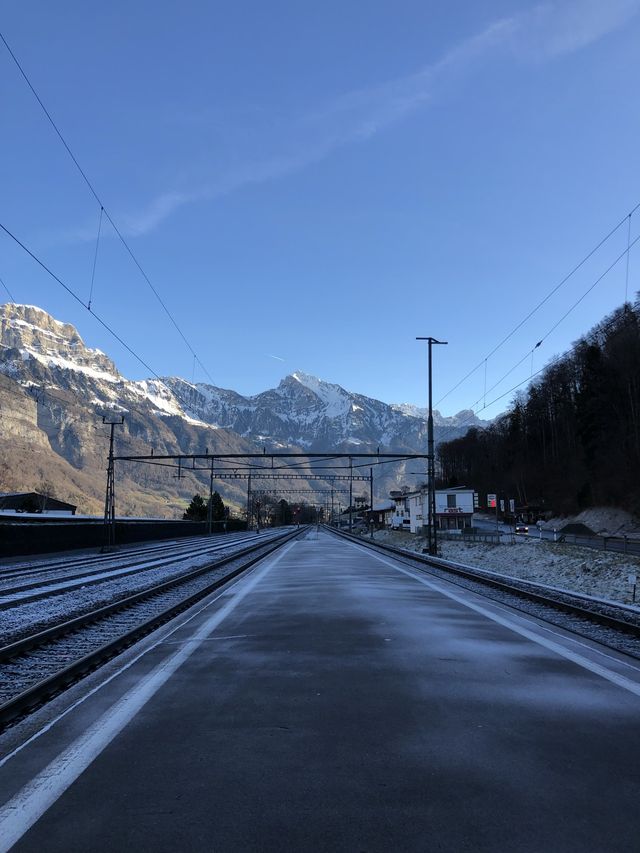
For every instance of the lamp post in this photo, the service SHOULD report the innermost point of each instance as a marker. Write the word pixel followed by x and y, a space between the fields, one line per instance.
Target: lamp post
pixel 431 460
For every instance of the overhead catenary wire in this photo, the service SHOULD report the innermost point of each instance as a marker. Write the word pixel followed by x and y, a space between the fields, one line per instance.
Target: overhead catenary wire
pixel 7 290
pixel 626 278
pixel 543 301
pixel 95 258
pixel 474 412
pixel 104 210
pixel 78 299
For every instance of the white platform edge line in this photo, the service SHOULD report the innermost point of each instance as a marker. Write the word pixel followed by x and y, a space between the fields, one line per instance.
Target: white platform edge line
pixel 551 645
pixel 19 814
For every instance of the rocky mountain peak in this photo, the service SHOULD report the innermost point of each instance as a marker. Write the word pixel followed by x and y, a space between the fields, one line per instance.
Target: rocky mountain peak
pixel 36 335
pixel 30 318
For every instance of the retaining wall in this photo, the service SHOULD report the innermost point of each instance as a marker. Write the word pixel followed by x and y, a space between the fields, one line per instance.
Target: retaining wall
pixel 48 535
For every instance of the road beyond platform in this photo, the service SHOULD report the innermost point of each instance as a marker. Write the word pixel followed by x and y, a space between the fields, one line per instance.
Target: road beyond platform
pixel 334 700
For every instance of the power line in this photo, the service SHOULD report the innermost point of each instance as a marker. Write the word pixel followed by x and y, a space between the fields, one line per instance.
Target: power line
pixel 589 289
pixel 597 329
pixel 95 258
pixel 102 322
pixel 625 253
pixel 543 301
pixel 78 300
pixel 102 207
pixel 8 291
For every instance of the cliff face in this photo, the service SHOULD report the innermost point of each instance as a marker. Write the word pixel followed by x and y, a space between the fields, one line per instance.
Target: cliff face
pixel 53 393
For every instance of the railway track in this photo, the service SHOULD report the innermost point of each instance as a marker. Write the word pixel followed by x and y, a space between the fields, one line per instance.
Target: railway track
pixel 44 564
pixel 39 666
pixel 616 625
pixel 30 590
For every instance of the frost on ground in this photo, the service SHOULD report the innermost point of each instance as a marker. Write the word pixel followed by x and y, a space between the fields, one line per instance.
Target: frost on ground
pixel 603 575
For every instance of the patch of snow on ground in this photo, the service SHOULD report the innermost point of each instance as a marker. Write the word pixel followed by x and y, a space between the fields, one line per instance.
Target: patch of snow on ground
pixel 600 574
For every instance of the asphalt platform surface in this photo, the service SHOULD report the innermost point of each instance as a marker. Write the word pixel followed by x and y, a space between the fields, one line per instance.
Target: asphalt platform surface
pixel 334 700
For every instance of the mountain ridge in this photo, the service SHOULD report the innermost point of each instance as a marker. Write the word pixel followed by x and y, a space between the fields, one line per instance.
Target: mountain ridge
pixel 48 360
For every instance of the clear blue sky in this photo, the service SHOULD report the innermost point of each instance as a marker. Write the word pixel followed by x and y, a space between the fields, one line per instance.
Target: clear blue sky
pixel 322 182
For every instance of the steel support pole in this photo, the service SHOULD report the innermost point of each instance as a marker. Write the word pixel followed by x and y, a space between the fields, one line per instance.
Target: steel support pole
pixel 350 495
pixel 249 501
pixel 371 526
pixel 210 507
pixel 110 495
pixel 431 458
pixel 433 544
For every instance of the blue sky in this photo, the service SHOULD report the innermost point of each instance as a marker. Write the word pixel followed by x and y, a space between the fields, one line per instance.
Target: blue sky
pixel 311 186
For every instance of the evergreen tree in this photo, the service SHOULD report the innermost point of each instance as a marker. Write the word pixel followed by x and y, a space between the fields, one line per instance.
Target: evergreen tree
pixel 570 440
pixel 217 507
pixel 285 515
pixel 197 509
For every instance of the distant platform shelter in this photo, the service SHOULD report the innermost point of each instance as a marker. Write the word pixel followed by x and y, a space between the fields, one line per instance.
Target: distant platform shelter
pixel 34 502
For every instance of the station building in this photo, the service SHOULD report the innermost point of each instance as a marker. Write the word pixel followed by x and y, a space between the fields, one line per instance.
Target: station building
pixel 454 509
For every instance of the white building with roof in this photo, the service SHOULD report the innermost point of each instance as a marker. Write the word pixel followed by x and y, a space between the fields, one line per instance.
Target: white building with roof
pixel 454 509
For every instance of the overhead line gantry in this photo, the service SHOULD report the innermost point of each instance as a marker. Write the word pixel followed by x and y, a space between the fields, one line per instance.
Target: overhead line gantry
pixel 249 466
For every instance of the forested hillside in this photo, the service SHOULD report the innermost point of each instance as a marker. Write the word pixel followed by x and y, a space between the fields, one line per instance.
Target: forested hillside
pixel 572 440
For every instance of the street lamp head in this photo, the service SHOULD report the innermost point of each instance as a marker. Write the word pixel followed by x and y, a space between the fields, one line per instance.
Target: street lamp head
pixel 432 340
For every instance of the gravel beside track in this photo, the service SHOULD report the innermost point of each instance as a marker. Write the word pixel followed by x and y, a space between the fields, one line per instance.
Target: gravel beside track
pixel 25 589
pixel 35 615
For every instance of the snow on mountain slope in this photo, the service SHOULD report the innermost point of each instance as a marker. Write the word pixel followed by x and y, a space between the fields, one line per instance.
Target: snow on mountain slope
pixel 302 411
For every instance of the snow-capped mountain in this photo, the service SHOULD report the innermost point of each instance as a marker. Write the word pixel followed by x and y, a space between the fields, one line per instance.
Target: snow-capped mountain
pixel 465 418
pixel 311 413
pixel 75 384
pixel 42 352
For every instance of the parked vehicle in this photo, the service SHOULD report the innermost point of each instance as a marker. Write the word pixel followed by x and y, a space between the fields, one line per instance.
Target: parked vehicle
pixel 521 528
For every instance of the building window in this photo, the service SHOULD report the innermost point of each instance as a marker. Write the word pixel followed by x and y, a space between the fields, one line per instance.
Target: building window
pixel 451 501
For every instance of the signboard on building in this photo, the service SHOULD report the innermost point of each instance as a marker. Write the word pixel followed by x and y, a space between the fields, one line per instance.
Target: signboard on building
pixel 501 505
pixel 491 501
pixel 476 500
pixel 512 505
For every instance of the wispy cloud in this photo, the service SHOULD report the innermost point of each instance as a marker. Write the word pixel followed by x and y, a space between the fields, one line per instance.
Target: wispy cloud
pixel 351 118
pixel 556 28
pixel 543 32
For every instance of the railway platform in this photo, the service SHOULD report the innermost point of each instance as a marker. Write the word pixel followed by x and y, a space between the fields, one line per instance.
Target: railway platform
pixel 333 699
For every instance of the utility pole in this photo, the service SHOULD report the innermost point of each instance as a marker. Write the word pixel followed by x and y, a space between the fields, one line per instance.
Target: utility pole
pixel 110 497
pixel 350 494
pixel 431 460
pixel 249 501
pixel 332 522
pixel 371 500
pixel 210 507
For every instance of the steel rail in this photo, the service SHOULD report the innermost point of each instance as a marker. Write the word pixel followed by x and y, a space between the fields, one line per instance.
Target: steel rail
pixel 37 564
pixel 41 692
pixel 112 573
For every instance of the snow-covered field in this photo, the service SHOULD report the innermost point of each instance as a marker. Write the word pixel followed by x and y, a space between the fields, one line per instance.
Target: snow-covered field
pixel 604 575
